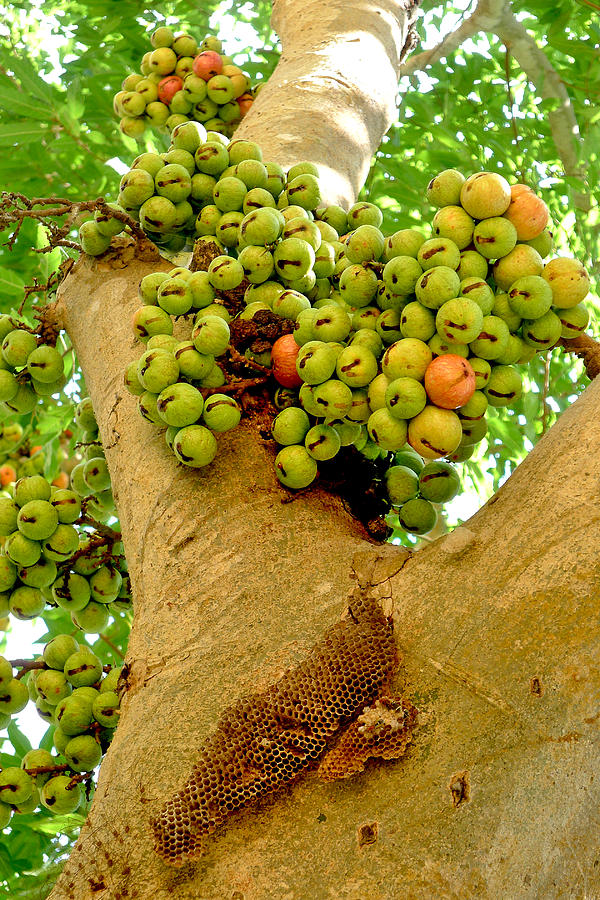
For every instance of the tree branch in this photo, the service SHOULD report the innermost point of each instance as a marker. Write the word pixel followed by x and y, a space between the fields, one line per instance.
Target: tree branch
pixel 538 69
pixel 485 17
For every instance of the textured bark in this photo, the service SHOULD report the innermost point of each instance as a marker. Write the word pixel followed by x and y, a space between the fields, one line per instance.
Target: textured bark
pixel 233 584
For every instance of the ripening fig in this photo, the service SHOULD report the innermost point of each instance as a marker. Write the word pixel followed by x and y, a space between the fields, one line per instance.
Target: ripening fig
pixel 459 321
pixel 436 286
pixel 60 796
pixel 527 212
pixel 405 242
pixel 504 386
pixel 406 357
pixel 530 296
pixel 543 332
pixel 445 188
pixel 439 252
pixel 568 281
pixel 208 64
pixel 195 446
pixel 438 482
pixel 15 785
pixel 494 237
pixel 405 397
pixel 454 223
pixel 168 87
pixel 322 442
pixel 402 484
pixel 449 381
pixel 294 467
pixel 522 260
pixel 573 321
pixel 493 338
pixel 435 432
pixel 485 194
pixel 417 516
pixel 387 431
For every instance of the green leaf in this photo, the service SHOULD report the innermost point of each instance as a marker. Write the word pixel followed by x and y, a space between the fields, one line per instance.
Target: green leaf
pixel 18 739
pixel 22 133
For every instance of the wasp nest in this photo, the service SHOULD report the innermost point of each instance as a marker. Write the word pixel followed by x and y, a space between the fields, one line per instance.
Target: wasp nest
pixel 265 741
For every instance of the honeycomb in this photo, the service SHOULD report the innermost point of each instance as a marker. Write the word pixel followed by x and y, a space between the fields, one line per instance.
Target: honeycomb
pixel 382 731
pixel 267 740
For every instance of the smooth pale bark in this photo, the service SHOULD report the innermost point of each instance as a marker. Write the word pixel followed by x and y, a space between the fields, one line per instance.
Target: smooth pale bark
pixel 333 93
pixel 233 583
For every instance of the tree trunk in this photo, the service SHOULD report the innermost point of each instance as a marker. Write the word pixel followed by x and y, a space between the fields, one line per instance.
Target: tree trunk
pixel 233 583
